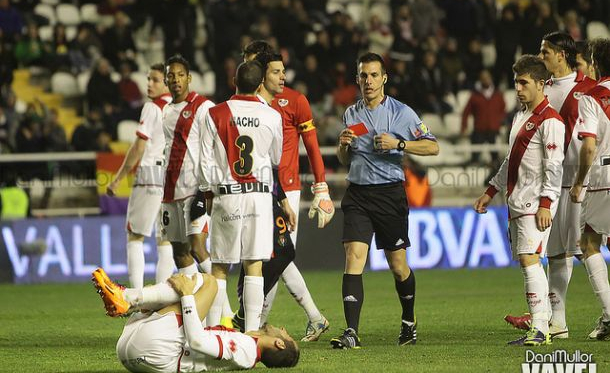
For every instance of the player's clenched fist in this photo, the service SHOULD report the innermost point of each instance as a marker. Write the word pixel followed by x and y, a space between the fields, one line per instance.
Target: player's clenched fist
pixel 322 204
pixel 480 205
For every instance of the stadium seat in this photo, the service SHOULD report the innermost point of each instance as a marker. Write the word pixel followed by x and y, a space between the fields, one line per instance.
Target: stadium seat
pixel 45 33
pixel 335 6
pixel 209 83
pixel 489 54
pixel 453 124
pixel 141 80
pixel 47 11
pixel 462 99
pixel 71 32
pixel 88 13
pixel 126 130
pixel 597 29
pixel 197 82
pixel 382 11
pixel 82 80
pixel 68 14
pixel 355 11
pixel 510 99
pixel 64 84
pixel 50 2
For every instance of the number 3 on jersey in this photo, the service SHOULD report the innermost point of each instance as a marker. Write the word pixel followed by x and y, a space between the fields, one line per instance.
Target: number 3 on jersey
pixel 243 166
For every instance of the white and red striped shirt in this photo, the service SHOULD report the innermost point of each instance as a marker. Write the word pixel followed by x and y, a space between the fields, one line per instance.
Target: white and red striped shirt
pixel 594 121
pixel 564 94
pixel 532 170
pixel 151 130
pixel 242 139
pixel 182 123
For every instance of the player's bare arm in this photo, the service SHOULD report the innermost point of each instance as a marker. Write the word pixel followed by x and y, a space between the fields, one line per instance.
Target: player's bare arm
pixel 587 153
pixel 132 158
pixel 290 214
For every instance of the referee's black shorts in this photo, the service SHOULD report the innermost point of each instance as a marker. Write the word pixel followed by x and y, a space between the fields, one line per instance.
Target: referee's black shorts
pixel 381 209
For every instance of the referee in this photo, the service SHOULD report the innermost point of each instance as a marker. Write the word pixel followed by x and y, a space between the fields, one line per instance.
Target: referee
pixel 379 131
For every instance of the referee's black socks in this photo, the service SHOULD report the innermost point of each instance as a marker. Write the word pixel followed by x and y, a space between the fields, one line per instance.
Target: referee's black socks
pixel 353 297
pixel 406 295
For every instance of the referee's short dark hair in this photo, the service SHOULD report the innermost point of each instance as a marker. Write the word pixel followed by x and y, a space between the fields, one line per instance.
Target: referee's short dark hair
pixel 533 65
pixel 600 53
pixel 248 77
pixel 177 58
pixel 264 58
pixel 257 46
pixel 560 41
pixel 371 57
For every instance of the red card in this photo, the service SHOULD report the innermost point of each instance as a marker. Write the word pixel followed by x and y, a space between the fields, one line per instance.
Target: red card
pixel 359 129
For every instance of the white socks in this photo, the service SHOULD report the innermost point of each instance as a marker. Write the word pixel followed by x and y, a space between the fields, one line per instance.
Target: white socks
pixel 215 312
pixel 156 296
pixel 189 270
pixel 165 263
pixel 296 286
pixel 559 273
pixel 205 266
pixel 135 264
pixel 598 277
pixel 536 293
pixel 253 301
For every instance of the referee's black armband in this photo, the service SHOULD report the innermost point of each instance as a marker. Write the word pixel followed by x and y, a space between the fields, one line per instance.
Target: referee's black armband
pixel 277 186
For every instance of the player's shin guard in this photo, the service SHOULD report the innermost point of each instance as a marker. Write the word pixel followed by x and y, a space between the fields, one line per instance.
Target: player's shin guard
pixel 598 277
pixel 296 286
pixel 165 263
pixel 253 301
pixel 406 295
pixel 135 264
pixel 215 313
pixel 536 293
pixel 559 273
pixel 353 297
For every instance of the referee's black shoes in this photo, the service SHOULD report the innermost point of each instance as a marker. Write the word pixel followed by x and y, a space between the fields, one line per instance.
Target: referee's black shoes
pixel 349 339
pixel 408 333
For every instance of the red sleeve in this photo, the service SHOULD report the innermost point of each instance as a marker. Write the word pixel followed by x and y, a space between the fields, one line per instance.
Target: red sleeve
pixel 491 191
pixel 310 139
pixel 303 114
pixel 545 202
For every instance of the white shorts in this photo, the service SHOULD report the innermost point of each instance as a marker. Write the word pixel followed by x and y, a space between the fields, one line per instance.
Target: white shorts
pixel 143 209
pixel 525 238
pixel 596 211
pixel 565 231
pixel 241 227
pixel 294 200
pixel 151 343
pixel 176 222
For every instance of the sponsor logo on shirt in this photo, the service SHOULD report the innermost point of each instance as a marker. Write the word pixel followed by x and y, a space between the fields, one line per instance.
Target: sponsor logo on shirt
pixel 551 146
pixel 578 95
pixel 282 102
pixel 186 114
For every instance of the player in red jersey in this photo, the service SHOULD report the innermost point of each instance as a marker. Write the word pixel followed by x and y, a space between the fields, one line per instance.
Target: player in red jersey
pixel 297 123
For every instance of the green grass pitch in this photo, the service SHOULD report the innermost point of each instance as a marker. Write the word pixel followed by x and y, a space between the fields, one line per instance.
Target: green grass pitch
pixel 62 328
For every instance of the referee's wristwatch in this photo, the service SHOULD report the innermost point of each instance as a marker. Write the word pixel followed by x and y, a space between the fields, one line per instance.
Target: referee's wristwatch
pixel 402 145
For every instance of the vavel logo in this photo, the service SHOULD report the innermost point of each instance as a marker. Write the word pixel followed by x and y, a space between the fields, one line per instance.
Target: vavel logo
pixel 558 361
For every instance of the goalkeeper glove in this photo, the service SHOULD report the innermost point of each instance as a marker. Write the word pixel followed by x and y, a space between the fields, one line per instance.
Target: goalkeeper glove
pixel 197 206
pixel 322 204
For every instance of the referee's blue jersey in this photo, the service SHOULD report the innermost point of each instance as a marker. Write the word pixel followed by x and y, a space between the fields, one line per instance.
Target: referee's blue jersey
pixel 369 166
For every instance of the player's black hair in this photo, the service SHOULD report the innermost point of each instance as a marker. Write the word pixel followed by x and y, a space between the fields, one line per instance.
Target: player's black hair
pixel 600 53
pixel 248 77
pixel 533 65
pixel 256 47
pixel 371 57
pixel 582 48
pixel 288 357
pixel 158 67
pixel 264 58
pixel 560 41
pixel 177 58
